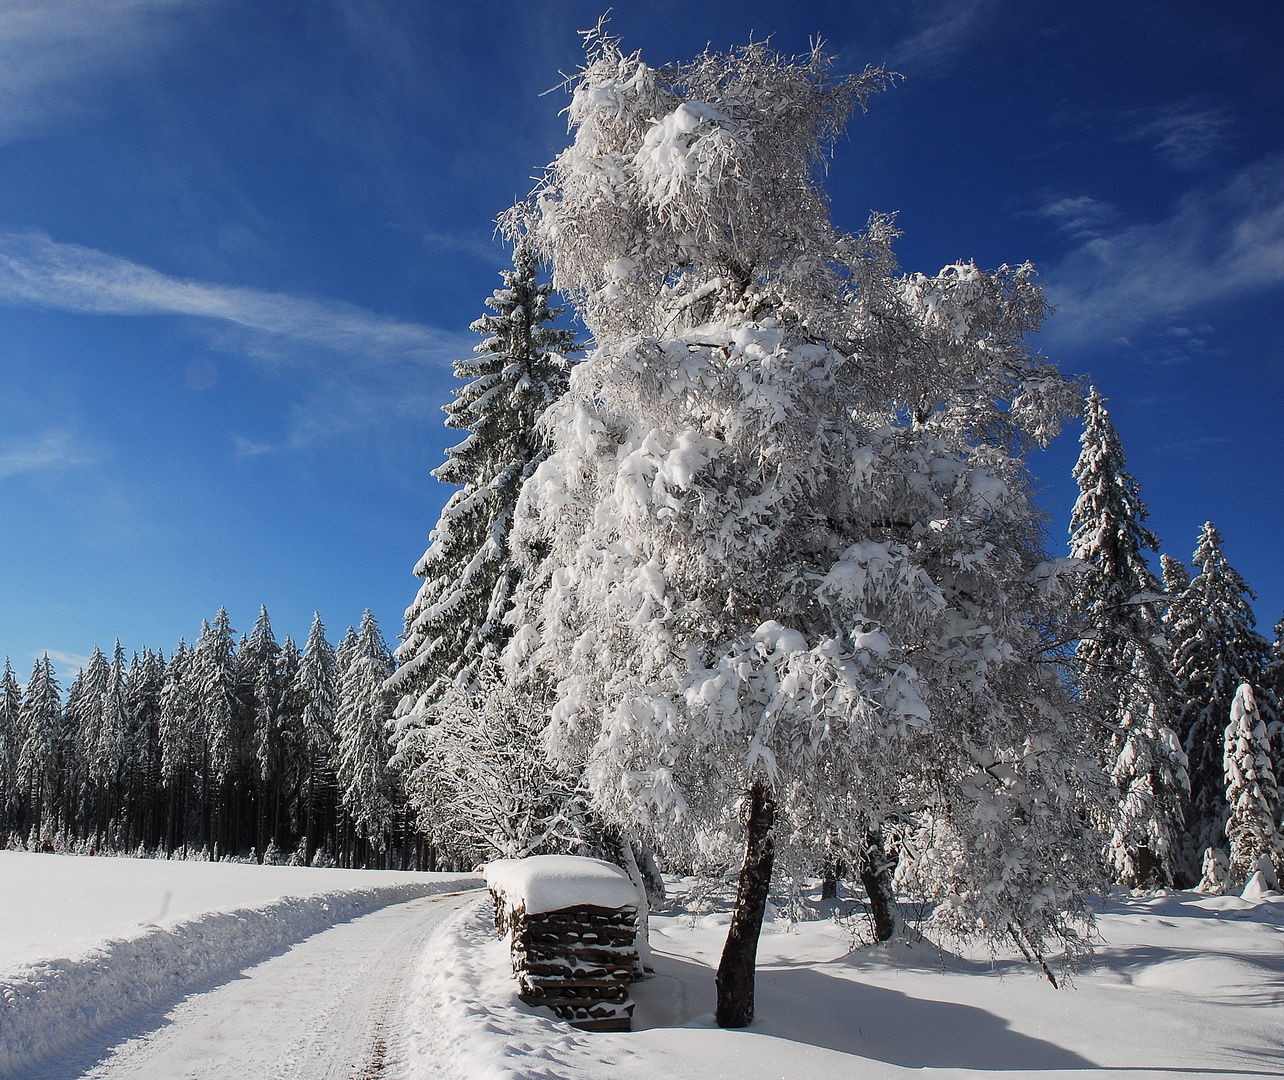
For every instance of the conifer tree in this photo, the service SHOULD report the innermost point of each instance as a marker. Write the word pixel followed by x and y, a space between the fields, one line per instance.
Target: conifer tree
pixel 318 697
pixel 40 718
pixel 10 749
pixel 1125 666
pixel 364 709
pixel 260 659
pixel 469 573
pixel 1251 792
pixel 1211 625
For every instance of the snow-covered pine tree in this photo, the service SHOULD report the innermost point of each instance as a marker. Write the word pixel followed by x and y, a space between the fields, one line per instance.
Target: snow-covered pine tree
pixel 1251 793
pixel 518 370
pixel 40 718
pixel 318 696
pixel 1216 647
pixel 217 676
pixel 289 808
pixel 10 751
pixel 1175 578
pixel 364 709
pixel 1125 664
pixel 796 588
pixel 260 660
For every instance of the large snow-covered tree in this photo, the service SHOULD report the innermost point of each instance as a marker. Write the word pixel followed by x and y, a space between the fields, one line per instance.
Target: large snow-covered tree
pixel 1251 793
pixel 1212 628
pixel 1124 659
pixel 786 572
pixel 518 370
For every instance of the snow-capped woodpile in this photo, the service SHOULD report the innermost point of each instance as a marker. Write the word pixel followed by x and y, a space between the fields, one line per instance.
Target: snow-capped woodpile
pixel 572 924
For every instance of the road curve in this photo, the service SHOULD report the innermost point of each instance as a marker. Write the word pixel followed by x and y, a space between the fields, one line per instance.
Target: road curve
pixel 317 1011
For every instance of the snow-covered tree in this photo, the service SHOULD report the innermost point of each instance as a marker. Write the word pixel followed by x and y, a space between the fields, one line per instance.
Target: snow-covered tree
pixel 363 711
pixel 785 569
pixel 40 719
pixel 1125 662
pixel 318 696
pixel 10 750
pixel 518 370
pixel 1211 626
pixel 1251 792
pixel 484 788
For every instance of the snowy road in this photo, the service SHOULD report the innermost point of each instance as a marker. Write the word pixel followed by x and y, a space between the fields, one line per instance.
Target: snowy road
pixel 319 1011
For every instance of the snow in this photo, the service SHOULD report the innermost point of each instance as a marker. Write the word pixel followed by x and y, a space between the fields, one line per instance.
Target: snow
pixel 1183 986
pixel 90 942
pixel 551 882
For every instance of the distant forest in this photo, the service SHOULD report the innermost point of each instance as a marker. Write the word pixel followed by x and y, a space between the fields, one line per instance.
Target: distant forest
pixel 247 749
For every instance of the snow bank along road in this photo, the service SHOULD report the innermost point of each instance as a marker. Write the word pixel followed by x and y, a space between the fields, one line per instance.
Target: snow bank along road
pixel 299 986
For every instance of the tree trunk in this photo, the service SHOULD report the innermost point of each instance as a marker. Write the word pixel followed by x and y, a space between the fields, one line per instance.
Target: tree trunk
pixel 876 876
pixel 735 979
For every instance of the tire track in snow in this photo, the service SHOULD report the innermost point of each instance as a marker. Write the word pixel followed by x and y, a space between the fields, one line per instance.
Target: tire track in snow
pixel 321 1010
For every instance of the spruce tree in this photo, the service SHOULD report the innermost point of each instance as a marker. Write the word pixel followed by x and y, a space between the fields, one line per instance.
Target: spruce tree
pixel 40 718
pixel 1125 666
pixel 1251 792
pixel 364 709
pixel 317 694
pixel 1211 625
pixel 469 573
pixel 10 750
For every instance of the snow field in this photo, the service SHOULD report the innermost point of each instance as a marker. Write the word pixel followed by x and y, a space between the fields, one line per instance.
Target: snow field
pixel 1183 985
pixel 91 943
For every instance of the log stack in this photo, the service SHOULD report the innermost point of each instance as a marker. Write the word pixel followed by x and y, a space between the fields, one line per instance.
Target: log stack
pixel 574 958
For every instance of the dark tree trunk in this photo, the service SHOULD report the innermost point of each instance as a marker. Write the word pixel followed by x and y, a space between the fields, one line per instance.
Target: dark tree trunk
pixel 876 876
pixel 735 979
pixel 1145 866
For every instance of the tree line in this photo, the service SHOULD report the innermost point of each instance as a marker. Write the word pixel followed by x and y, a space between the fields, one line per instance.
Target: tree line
pixel 245 749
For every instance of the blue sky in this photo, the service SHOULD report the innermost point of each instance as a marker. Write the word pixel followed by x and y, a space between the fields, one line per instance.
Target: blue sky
pixel 240 242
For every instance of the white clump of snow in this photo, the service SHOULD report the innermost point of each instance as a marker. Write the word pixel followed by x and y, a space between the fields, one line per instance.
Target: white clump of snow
pixel 90 943
pixel 1257 887
pixel 551 882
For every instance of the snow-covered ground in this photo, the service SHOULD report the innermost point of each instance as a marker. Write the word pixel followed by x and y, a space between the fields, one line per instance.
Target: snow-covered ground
pixel 1184 985
pixel 119 968
pixel 91 947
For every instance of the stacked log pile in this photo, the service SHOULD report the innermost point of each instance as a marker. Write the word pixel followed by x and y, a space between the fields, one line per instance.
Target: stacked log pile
pixel 573 924
pixel 577 961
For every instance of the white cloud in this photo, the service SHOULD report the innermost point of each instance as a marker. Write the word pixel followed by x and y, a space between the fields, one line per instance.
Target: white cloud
pixel 1185 134
pixel 38 271
pixel 244 447
pixel 66 664
pixel 1080 216
pixel 1216 245
pixel 941 38
pixel 53 450
pixel 49 50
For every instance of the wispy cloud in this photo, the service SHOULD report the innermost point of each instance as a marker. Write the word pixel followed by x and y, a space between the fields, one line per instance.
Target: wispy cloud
pixel 66 664
pixel 1217 244
pixel 53 450
pixel 49 50
pixel 945 29
pixel 38 271
pixel 246 448
pixel 1080 216
pixel 1185 135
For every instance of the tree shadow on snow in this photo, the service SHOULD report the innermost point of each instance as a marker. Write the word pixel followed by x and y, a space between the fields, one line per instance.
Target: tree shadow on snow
pixel 808 1006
